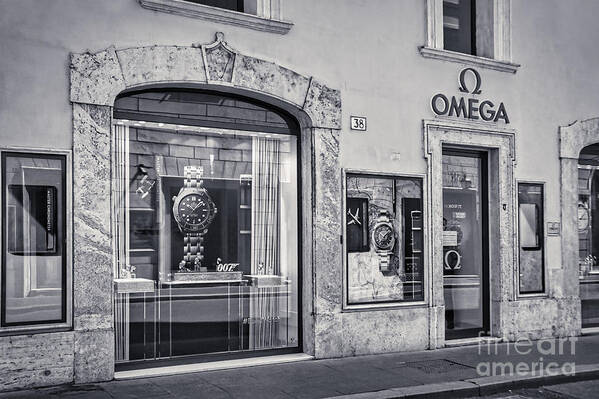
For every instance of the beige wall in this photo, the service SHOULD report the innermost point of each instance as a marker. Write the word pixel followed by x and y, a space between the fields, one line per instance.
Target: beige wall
pixel 368 49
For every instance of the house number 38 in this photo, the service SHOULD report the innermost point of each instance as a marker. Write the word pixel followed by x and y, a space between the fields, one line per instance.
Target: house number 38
pixel 358 123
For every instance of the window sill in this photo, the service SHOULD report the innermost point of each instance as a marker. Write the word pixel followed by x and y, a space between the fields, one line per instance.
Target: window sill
pixel 452 56
pixel 368 307
pixel 215 14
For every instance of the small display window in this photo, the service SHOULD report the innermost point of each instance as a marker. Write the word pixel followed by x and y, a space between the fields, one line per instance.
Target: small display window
pixel 384 239
pixel 531 237
pixel 34 257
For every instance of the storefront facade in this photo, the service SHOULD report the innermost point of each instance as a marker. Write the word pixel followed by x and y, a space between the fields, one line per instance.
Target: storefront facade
pixel 220 184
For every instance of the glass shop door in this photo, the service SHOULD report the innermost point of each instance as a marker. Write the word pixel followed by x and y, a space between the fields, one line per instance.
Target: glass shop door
pixel 465 244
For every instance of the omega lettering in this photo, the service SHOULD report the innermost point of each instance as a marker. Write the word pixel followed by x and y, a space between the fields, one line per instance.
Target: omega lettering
pixel 469 108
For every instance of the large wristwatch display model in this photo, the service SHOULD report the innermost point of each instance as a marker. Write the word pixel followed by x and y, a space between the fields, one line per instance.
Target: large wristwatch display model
pixel 193 210
pixel 383 238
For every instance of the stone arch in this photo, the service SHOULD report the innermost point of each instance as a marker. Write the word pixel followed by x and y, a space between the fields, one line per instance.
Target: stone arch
pixel 98 78
pixel 572 139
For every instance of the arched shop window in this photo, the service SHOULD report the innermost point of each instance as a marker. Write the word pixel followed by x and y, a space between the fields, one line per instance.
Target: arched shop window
pixel 588 233
pixel 206 225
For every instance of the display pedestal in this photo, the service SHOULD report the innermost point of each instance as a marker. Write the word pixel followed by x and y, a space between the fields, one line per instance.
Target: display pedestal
pixel 206 276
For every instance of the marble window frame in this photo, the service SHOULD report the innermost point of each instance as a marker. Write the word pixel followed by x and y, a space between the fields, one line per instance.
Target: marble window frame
pixel 268 19
pixel 499 143
pixel 68 323
pixel 97 78
pixel 501 38
pixel 347 307
pixel 572 139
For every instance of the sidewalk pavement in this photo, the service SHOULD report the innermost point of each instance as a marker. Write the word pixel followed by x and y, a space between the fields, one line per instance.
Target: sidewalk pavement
pixel 450 372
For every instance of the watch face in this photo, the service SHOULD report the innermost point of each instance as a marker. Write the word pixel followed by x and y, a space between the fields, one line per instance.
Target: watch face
pixel 583 217
pixel 195 211
pixel 383 236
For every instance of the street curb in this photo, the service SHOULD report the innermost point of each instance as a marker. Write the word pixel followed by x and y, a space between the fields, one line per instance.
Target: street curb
pixel 478 386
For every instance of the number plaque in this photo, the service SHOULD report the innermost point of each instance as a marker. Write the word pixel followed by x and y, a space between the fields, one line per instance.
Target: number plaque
pixel 358 123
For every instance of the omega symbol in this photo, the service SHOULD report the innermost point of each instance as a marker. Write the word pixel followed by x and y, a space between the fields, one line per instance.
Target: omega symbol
pixel 463 87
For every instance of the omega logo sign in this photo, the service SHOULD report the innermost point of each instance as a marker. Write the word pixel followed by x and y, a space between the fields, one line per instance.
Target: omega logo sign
pixel 470 108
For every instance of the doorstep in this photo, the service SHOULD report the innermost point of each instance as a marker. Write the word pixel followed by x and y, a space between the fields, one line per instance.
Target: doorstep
pixel 210 366
pixel 452 343
pixel 589 331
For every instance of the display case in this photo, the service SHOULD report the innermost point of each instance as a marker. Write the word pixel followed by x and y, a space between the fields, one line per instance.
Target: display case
pixel 384 240
pixel 206 223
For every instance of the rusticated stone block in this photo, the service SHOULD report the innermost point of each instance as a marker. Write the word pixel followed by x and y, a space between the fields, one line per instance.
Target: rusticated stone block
pixel 328 333
pixel 96 78
pixel 272 79
pixel 28 361
pixel 575 137
pixel 393 330
pixel 220 63
pixel 94 356
pixel 161 63
pixel 92 252
pixel 327 221
pixel 323 105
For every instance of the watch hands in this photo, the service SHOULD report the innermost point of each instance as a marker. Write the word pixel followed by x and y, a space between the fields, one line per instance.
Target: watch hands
pixel 354 217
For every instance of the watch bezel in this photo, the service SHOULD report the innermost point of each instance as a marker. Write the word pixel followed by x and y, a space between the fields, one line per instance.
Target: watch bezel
pixel 377 245
pixel 588 217
pixel 212 210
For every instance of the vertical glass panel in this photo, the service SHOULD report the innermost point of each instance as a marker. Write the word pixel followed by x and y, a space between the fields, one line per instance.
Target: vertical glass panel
pixel 531 250
pixel 464 268
pixel 384 239
pixel 588 234
pixel 458 26
pixel 207 222
pixel 235 5
pixel 34 255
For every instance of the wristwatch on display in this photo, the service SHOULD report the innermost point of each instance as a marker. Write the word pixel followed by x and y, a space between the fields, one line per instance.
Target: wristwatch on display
pixel 583 217
pixel 383 238
pixel 193 210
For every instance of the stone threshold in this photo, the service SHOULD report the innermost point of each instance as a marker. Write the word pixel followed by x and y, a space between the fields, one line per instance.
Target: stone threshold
pixel 453 343
pixel 210 366
pixel 590 331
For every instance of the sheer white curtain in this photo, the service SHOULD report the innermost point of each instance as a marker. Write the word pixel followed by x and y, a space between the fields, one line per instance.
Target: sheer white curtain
pixel 264 305
pixel 120 195
pixel 265 206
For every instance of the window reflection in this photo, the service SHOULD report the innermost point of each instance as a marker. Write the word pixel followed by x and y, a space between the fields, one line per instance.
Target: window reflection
pixel 34 257
pixel 207 222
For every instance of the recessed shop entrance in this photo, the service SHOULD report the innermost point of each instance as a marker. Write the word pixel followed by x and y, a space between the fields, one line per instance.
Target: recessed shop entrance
pixel 465 239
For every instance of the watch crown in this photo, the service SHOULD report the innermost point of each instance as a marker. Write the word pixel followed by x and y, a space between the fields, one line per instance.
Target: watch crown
pixel 174 198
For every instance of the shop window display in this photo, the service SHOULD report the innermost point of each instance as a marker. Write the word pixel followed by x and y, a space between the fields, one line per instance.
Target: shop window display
pixel 384 230
pixel 34 274
pixel 588 234
pixel 531 236
pixel 206 216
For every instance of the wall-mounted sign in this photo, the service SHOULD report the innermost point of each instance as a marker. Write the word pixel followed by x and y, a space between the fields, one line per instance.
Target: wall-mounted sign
pixel 357 123
pixel 469 108
pixel 553 228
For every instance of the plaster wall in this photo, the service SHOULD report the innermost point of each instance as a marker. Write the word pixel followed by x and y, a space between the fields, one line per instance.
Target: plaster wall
pixel 371 55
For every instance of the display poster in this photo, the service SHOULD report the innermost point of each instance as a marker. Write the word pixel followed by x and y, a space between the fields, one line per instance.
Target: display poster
pixel 461 232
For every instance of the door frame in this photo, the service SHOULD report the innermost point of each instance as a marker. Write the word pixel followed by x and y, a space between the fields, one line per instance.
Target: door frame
pixel 499 143
pixel 484 207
